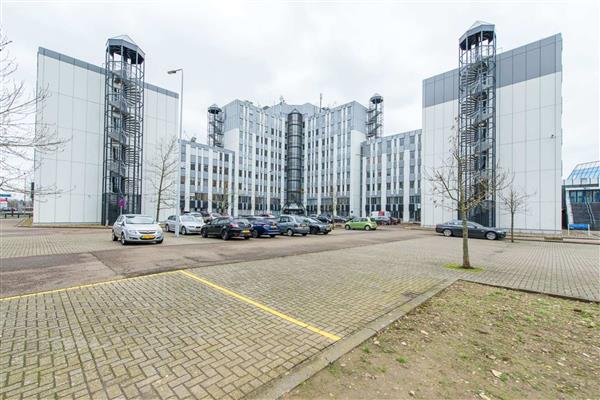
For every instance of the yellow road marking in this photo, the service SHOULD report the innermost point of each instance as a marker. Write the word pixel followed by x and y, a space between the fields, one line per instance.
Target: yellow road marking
pixel 263 307
pixel 83 286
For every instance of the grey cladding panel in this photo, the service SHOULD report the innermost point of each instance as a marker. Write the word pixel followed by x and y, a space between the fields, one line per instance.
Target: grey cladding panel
pixel 94 68
pixel 533 63
pixel 519 67
pixel 533 60
pixel 547 59
pixel 504 71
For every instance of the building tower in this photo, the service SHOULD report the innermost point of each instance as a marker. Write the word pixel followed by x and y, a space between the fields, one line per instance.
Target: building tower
pixel 375 116
pixel 215 126
pixel 123 128
pixel 295 144
pixel 477 117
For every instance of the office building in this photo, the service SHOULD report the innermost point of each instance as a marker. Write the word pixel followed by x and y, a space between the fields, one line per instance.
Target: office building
pixel 111 135
pixel 582 195
pixel 506 110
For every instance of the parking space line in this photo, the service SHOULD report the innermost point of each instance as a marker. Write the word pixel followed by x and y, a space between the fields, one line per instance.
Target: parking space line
pixel 22 296
pixel 263 307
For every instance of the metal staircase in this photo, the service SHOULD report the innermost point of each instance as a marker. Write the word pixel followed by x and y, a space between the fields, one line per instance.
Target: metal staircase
pixel 477 118
pixel 123 128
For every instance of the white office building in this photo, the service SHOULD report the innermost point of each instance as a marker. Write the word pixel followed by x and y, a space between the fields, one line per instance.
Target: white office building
pixel 515 110
pixel 76 109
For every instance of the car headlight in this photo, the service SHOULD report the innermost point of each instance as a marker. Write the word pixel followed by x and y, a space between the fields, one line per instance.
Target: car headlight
pixel 132 232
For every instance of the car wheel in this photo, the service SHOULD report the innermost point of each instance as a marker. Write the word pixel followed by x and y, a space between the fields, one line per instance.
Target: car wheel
pixel 347 227
pixel 367 228
pixel 272 236
pixel 167 228
pixel 204 233
pixel 289 232
pixel 304 234
pixel 224 235
pixel 123 241
pixel 246 237
pixel 447 232
pixel 325 233
pixel 184 230
pixel 490 236
pixel 114 237
pixel 254 234
pixel 159 241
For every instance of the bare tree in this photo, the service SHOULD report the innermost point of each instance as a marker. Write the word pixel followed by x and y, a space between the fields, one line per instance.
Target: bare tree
pixel 514 201
pixel 20 134
pixel 450 181
pixel 163 172
pixel 333 205
pixel 225 199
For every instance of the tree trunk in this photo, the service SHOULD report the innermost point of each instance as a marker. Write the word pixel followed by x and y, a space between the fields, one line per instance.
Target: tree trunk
pixel 465 242
pixel 512 227
pixel 158 200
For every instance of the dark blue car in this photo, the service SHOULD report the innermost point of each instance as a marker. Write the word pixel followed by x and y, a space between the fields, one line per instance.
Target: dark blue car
pixel 262 226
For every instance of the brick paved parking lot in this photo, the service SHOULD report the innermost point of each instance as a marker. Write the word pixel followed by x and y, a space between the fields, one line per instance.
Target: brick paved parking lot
pixel 219 329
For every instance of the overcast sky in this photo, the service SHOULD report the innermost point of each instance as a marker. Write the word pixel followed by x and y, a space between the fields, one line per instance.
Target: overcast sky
pixel 260 51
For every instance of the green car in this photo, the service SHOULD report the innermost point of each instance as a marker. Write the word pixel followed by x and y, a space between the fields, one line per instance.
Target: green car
pixel 361 223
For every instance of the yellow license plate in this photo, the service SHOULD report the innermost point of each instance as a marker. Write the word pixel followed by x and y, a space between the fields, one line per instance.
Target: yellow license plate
pixel 245 231
pixel 147 236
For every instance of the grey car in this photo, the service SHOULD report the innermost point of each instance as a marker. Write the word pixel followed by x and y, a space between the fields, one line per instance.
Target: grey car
pixel 130 228
pixel 188 224
pixel 316 226
pixel 291 225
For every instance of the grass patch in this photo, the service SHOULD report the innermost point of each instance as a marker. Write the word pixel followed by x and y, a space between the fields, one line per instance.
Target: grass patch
pixel 366 349
pixel 458 267
pixel 401 360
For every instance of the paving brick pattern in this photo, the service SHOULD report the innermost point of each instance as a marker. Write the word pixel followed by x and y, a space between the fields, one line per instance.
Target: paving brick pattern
pixel 170 336
pixel 162 336
pixel 50 242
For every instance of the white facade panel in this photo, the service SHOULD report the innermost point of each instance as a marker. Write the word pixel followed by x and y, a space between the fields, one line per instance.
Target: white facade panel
pixel 75 111
pixel 528 139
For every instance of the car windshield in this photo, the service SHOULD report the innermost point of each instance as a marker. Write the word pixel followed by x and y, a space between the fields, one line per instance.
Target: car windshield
pixel 139 220
pixel 272 220
pixel 313 220
pixel 241 221
pixel 188 218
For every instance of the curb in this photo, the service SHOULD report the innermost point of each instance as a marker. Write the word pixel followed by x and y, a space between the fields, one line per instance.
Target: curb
pixel 279 386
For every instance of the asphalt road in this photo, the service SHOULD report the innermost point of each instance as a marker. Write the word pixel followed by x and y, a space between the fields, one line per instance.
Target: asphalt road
pixel 21 275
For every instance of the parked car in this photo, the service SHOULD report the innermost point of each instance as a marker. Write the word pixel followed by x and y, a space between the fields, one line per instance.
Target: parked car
pixel 394 221
pixel 212 216
pixel 136 228
pixel 292 225
pixel 263 227
pixel 475 230
pixel 364 223
pixel 324 218
pixel 227 228
pixel 315 226
pixel 381 220
pixel 338 219
pixel 187 224
pixel 197 214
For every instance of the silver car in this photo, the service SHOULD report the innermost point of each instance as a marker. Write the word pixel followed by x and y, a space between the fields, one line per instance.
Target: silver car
pixel 187 224
pixel 136 228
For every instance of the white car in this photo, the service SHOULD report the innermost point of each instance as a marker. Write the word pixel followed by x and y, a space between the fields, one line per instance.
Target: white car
pixel 136 228
pixel 187 224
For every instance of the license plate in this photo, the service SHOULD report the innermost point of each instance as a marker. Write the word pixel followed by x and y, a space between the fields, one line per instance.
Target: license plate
pixel 147 236
pixel 245 231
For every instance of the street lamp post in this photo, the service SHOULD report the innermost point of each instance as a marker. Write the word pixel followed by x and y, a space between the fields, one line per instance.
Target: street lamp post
pixel 178 184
